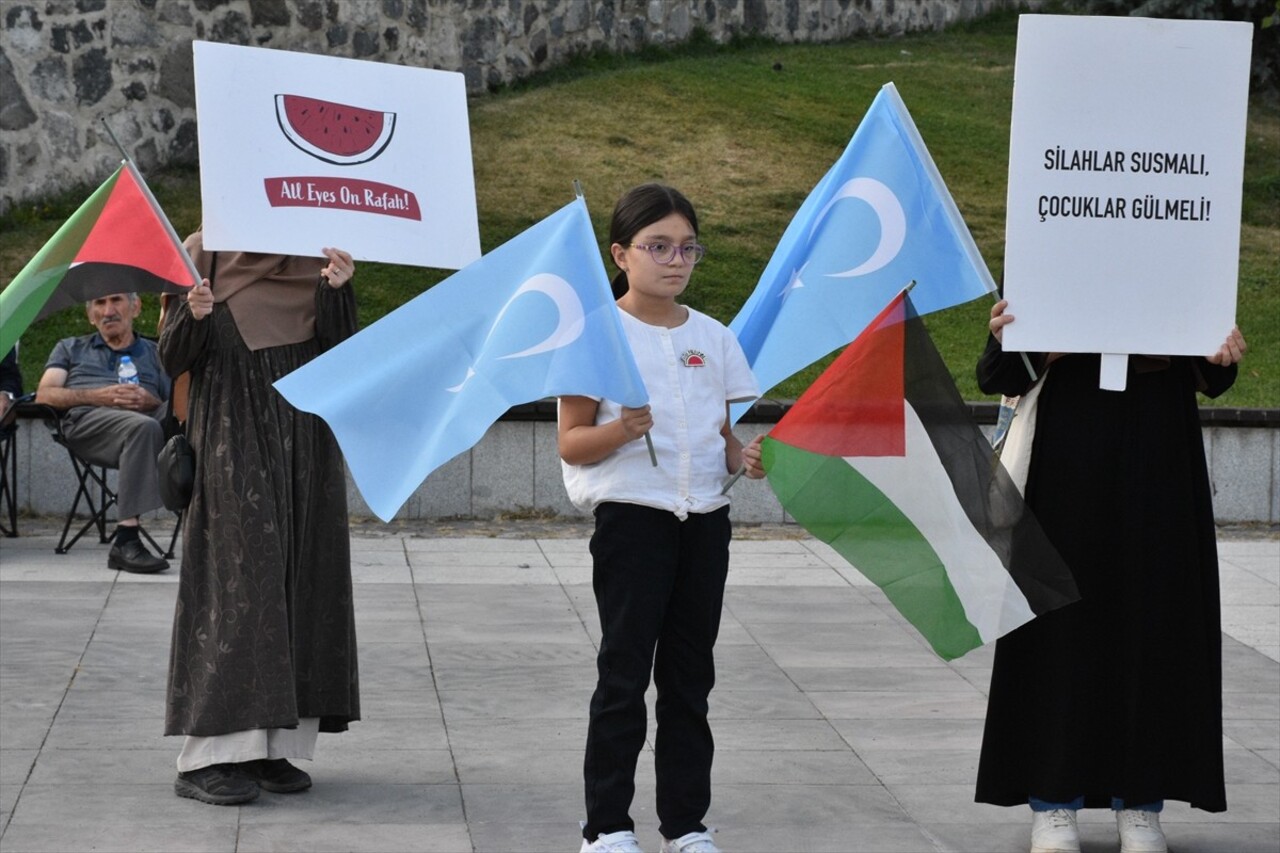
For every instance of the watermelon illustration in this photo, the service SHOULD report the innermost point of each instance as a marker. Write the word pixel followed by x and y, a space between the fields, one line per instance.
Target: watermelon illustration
pixel 335 133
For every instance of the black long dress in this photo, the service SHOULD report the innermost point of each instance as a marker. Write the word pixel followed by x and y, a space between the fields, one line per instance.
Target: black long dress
pixel 264 629
pixel 1119 694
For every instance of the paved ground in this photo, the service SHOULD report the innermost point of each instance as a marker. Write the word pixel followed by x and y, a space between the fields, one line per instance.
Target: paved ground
pixel 836 728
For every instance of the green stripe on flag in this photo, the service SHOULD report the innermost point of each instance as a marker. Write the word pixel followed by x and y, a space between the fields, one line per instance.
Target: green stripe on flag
pixel 833 501
pixel 22 300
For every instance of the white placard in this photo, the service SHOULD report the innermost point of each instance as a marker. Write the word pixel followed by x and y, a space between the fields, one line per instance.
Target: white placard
pixel 1126 160
pixel 299 151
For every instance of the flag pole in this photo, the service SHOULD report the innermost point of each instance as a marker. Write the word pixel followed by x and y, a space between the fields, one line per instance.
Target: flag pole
pixel 110 133
pixel 737 475
pixel 648 439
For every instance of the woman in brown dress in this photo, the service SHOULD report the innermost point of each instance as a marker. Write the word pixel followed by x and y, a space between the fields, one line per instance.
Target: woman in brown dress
pixel 264 646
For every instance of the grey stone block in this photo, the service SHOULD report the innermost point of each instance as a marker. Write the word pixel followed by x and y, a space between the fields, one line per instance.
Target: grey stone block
pixel 549 493
pixel 516 468
pixel 446 493
pixel 502 470
pixel 1243 473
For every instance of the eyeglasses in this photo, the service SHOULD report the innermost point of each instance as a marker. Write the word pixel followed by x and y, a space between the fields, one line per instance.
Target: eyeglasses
pixel 665 253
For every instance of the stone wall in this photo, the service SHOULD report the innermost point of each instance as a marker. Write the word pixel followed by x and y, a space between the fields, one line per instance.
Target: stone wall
pixel 515 470
pixel 68 65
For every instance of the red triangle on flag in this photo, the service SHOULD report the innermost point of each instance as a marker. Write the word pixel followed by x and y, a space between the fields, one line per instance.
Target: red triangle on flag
pixel 855 408
pixel 130 231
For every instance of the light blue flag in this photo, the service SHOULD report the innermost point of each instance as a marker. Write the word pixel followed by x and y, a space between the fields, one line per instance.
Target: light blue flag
pixel 531 319
pixel 880 218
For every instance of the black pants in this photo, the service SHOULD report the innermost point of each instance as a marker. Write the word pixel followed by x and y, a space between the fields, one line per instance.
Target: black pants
pixel 659 583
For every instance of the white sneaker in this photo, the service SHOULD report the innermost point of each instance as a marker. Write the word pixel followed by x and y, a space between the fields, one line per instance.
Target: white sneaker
pixel 693 842
pixel 1140 832
pixel 612 842
pixel 1055 832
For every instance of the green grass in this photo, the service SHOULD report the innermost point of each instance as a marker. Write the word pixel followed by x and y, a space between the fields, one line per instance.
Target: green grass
pixel 746 143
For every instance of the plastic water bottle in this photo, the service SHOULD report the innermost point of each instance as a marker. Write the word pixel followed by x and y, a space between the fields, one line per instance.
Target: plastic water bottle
pixel 127 371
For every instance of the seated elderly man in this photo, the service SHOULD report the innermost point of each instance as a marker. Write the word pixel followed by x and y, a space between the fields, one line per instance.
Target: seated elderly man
pixel 111 422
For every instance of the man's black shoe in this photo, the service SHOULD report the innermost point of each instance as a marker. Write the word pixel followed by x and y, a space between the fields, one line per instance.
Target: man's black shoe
pixel 134 557
pixel 275 775
pixel 217 784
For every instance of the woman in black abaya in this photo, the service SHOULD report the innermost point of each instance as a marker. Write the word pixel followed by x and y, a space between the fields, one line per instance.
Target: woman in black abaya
pixel 1116 700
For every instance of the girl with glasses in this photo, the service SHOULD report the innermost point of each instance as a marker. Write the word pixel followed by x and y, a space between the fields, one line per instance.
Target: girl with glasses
pixel 660 550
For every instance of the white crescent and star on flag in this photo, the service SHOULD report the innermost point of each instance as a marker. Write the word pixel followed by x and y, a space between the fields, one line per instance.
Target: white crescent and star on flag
pixel 893 229
pixel 569 326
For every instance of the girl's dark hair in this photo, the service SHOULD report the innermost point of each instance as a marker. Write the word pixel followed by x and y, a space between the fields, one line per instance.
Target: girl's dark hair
pixel 639 208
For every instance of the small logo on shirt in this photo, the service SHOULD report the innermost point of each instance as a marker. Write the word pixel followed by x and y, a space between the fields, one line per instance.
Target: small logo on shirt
pixel 693 358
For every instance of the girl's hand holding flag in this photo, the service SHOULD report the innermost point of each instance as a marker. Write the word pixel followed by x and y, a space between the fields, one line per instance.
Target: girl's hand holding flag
pixel 753 464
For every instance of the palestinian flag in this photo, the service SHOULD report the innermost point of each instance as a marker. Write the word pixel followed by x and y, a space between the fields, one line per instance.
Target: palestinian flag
pixel 881 459
pixel 119 241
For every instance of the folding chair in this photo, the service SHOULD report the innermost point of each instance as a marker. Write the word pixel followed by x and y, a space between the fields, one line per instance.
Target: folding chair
pixel 9 468
pixel 91 488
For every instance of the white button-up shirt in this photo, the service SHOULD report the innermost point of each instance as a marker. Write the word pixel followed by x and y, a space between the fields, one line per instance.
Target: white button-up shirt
pixel 691 372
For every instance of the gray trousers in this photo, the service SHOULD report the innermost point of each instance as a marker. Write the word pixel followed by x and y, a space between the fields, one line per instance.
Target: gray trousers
pixel 128 441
